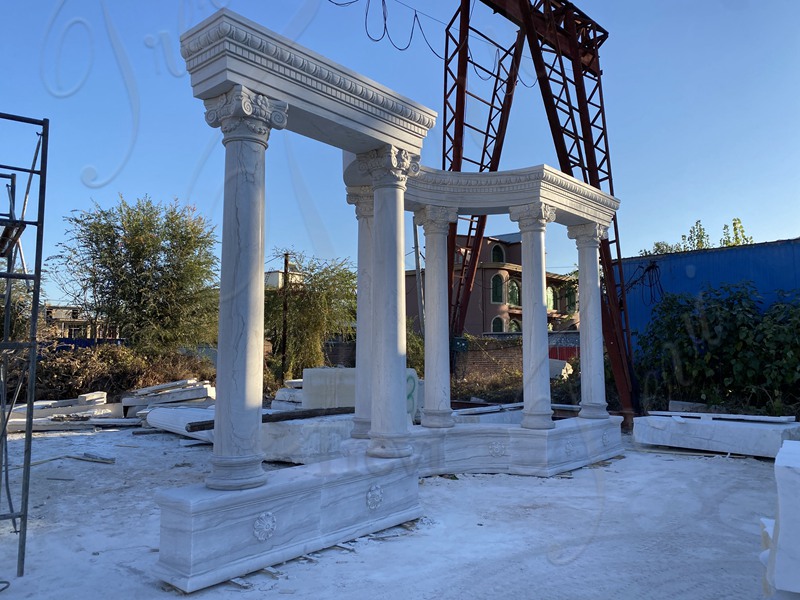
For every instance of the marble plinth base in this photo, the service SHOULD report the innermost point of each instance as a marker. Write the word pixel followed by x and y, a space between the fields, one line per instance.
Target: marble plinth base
pixel 715 433
pixel 300 441
pixel 209 536
pixel 487 448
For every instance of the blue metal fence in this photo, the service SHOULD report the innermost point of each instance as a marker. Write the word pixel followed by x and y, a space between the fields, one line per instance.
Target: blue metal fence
pixel 771 267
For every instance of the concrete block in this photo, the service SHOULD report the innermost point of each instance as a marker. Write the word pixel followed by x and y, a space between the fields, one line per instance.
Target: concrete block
pixel 750 436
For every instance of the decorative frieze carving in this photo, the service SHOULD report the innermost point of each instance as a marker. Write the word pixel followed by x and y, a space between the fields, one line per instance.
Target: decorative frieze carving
pixel 389 165
pixel 240 111
pixel 502 182
pixel 274 54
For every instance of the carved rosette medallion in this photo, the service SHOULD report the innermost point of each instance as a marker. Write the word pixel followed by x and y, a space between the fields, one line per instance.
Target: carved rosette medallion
pixel 374 497
pixel 242 113
pixel 264 526
pixel 569 448
pixel 497 449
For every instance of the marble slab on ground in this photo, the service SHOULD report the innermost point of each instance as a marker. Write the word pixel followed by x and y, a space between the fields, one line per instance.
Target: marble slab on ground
pixel 715 434
pixel 783 567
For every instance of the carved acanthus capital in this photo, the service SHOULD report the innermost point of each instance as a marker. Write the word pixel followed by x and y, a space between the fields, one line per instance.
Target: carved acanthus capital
pixel 242 113
pixel 587 234
pixel 532 217
pixel 389 166
pixel 363 198
pixel 435 219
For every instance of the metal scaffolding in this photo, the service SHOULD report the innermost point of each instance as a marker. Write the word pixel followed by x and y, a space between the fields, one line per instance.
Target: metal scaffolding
pixel 21 289
pixel 564 46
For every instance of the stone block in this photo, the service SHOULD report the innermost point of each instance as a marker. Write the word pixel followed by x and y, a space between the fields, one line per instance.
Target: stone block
pixel 736 434
pixel 209 536
pixel 783 567
pixel 333 387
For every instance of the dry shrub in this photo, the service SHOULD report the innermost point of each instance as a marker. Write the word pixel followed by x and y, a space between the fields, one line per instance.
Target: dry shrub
pixel 503 387
pixel 66 373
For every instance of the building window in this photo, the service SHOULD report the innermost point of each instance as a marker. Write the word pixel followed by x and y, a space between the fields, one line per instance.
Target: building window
pixel 551 298
pixel 513 293
pixel 514 325
pixel 497 289
pixel 572 304
pixel 498 255
pixel 497 325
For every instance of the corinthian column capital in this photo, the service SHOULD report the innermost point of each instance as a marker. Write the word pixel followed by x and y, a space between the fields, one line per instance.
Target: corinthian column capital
pixel 532 217
pixel 363 198
pixel 587 234
pixel 243 114
pixel 389 166
pixel 435 219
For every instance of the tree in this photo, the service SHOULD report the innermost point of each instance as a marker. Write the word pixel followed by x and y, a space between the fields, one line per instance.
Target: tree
pixel 145 270
pixel 734 235
pixel 321 305
pixel 698 239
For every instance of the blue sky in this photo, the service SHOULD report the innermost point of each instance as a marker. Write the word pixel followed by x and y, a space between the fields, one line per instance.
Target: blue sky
pixel 701 100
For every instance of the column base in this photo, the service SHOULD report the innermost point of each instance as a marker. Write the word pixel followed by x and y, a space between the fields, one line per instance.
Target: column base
pixel 360 428
pixel 593 411
pixel 389 446
pixel 236 472
pixel 437 418
pixel 534 420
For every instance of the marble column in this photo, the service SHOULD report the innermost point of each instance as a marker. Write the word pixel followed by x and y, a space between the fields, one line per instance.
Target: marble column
pixel 533 220
pixel 435 221
pixel 246 120
pixel 593 389
pixel 388 167
pixel 362 197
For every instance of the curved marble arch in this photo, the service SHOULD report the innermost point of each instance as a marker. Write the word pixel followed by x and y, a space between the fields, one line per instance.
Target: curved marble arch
pixel 492 193
pixel 533 197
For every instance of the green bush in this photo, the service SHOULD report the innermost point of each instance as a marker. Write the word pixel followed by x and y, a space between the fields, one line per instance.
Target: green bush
pixel 720 348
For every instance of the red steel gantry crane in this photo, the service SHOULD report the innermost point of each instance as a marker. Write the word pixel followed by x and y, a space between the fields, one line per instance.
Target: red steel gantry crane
pixel 563 43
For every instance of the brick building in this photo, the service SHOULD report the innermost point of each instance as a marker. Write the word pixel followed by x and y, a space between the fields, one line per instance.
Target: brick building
pixel 496 302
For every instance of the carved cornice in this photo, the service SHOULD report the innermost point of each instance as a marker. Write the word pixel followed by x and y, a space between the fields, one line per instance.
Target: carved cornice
pixel 388 166
pixel 363 198
pixel 530 179
pixel 277 55
pixel 587 234
pixel 436 219
pixel 532 217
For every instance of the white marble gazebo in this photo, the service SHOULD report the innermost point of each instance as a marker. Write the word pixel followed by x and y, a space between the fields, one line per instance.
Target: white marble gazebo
pixel 253 81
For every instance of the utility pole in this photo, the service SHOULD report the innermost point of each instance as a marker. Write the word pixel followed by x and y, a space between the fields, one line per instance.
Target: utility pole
pixel 285 314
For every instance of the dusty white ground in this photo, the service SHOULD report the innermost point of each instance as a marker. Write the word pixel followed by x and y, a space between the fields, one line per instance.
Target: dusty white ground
pixel 646 526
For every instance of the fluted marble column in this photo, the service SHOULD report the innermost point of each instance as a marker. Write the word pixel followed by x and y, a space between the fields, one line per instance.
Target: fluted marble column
pixel 593 390
pixel 362 197
pixel 246 120
pixel 388 168
pixel 435 221
pixel 533 220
